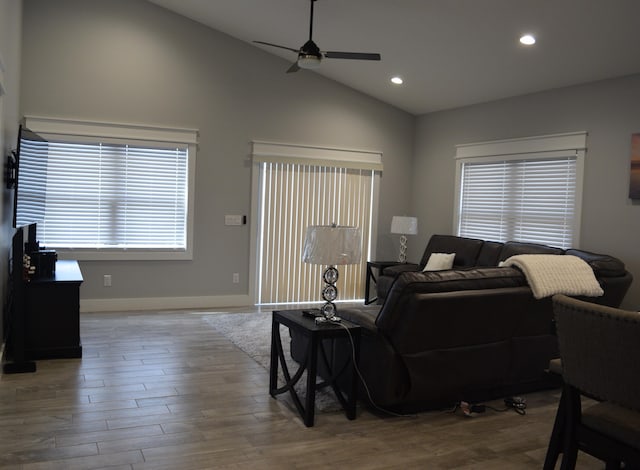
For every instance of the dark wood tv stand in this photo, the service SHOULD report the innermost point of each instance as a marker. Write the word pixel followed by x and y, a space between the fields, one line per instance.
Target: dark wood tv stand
pixel 52 314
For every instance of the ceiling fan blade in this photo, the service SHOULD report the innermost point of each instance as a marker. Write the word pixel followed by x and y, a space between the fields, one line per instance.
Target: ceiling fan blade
pixel 276 45
pixel 310 56
pixel 351 55
pixel 294 68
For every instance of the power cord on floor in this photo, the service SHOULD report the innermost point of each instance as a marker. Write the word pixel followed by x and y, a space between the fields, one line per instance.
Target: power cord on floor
pixel 518 404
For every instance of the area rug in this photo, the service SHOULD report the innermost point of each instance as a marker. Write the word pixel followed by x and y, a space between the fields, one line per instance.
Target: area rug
pixel 251 332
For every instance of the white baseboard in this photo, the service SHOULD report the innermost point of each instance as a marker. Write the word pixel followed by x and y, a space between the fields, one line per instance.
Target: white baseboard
pixel 164 303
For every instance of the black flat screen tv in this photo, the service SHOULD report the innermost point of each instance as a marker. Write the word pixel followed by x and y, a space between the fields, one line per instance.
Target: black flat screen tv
pixel 27 174
pixel 14 315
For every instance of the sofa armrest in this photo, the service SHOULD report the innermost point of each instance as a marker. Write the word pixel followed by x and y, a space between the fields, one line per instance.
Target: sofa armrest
pixel 363 316
pixel 396 269
pixel 602 265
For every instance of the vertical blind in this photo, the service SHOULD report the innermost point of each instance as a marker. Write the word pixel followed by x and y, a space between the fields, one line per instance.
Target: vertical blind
pixel 530 200
pixel 104 195
pixel 294 196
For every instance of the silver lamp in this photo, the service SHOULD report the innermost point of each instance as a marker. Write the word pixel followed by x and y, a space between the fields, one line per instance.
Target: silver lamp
pixel 404 226
pixel 331 245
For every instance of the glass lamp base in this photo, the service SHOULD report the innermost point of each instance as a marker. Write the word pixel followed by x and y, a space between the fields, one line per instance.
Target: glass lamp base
pixel 322 320
pixel 333 319
pixel 329 294
pixel 402 257
pixel 328 311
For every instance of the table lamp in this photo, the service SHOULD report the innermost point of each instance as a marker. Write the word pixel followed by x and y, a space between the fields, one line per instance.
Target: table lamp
pixel 331 245
pixel 404 226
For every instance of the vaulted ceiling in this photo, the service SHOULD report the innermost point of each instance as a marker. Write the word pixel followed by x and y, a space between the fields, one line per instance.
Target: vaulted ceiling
pixel 450 53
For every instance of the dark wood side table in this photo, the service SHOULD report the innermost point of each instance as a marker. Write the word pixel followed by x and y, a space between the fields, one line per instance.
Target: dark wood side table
pixel 379 265
pixel 295 320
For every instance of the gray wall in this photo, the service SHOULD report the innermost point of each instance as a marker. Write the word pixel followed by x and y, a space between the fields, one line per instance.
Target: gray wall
pixel 131 61
pixel 10 25
pixel 127 60
pixel 607 110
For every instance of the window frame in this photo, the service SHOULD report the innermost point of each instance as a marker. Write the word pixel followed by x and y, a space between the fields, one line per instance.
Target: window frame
pixel 132 134
pixel 528 148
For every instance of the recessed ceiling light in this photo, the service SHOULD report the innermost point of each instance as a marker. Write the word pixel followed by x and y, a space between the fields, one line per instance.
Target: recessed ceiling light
pixel 397 80
pixel 528 40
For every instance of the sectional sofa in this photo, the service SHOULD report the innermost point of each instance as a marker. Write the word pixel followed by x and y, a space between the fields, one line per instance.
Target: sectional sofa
pixel 473 252
pixel 473 332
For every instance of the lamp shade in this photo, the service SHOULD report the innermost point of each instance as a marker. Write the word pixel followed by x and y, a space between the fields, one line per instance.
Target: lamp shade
pixel 404 225
pixel 332 245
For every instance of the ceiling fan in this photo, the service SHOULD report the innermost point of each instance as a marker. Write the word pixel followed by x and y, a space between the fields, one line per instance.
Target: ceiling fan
pixel 310 56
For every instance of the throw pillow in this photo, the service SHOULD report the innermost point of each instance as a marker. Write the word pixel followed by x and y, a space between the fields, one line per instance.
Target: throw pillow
pixel 440 261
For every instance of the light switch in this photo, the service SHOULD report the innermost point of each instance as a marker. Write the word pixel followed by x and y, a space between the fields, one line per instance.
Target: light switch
pixel 233 220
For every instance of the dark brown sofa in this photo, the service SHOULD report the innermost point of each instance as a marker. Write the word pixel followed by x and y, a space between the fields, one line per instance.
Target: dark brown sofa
pixel 473 252
pixel 469 333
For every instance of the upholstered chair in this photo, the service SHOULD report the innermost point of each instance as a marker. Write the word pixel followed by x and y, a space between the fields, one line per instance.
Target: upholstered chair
pixel 600 353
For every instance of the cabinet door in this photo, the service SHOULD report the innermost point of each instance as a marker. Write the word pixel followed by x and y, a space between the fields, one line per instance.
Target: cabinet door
pixel 52 320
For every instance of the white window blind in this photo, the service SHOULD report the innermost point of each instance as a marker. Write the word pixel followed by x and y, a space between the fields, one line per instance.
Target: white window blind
pixel 526 200
pixel 295 196
pixel 527 189
pixel 107 195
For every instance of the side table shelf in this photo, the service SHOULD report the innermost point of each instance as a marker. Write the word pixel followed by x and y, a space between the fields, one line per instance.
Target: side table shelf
pixel 315 334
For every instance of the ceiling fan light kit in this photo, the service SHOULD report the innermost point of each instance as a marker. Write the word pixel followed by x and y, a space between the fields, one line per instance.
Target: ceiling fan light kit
pixel 310 56
pixel 306 61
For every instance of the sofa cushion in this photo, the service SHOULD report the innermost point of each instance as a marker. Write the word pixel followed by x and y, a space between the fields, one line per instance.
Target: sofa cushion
pixel 458 279
pixel 602 265
pixel 452 280
pixel 466 249
pixel 439 261
pixel 489 254
pixel 510 249
pixel 442 320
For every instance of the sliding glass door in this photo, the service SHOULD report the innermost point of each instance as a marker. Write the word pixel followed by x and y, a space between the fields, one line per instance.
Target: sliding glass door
pixel 293 196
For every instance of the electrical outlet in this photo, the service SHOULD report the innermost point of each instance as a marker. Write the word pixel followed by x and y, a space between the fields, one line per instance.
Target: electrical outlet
pixel 106 280
pixel 236 278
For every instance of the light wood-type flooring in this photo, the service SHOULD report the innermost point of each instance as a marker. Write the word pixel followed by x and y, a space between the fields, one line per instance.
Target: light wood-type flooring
pixel 164 390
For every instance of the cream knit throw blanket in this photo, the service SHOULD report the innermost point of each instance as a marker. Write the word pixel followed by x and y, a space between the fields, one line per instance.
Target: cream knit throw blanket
pixel 556 274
